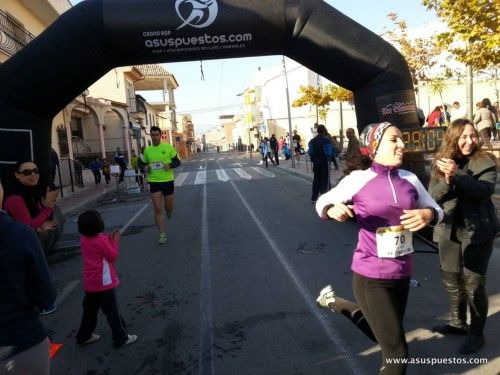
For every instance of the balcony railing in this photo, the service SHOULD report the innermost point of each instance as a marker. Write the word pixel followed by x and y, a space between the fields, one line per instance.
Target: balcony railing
pixel 13 36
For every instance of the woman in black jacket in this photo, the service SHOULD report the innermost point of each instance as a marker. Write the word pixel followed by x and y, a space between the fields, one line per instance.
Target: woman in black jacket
pixel 463 180
pixel 25 290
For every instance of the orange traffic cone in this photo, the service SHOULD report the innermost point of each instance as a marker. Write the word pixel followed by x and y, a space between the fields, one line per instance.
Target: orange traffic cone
pixel 53 349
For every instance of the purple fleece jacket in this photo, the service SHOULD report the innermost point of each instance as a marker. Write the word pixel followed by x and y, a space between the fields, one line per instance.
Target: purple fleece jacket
pixel 379 195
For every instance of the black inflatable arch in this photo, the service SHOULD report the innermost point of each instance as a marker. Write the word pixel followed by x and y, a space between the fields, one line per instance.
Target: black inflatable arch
pixel 97 35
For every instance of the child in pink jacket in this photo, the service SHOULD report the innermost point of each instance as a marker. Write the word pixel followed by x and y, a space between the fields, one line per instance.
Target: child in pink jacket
pixel 99 252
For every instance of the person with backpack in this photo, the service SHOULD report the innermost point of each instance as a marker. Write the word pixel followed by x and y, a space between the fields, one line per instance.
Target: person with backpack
pixel 320 151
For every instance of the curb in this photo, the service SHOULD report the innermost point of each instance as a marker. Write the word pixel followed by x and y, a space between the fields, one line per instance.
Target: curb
pixel 297 173
pixel 89 202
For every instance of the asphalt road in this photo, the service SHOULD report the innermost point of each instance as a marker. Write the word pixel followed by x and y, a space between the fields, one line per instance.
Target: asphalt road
pixel 233 290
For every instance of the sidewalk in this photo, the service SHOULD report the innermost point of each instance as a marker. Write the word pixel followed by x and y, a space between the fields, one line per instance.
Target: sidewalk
pixel 72 202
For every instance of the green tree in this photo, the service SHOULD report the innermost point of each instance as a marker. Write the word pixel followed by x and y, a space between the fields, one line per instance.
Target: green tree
pixel 474 34
pixel 419 53
pixel 321 97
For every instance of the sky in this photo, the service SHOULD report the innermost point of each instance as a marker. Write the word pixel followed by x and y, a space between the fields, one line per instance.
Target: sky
pixel 224 79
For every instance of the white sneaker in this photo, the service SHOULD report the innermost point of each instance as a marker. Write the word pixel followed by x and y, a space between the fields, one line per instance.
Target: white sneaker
pixel 95 337
pixel 131 339
pixel 326 296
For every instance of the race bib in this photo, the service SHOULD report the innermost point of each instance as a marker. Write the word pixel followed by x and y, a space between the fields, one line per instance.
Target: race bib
pixel 156 166
pixel 394 242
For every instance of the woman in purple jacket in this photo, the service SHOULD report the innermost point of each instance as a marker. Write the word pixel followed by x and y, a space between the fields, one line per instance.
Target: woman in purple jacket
pixel 390 205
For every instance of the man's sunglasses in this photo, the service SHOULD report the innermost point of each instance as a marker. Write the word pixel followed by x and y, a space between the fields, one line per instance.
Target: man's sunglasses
pixel 28 172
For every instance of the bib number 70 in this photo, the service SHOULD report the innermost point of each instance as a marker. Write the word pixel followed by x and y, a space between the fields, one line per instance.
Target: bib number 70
pixel 400 240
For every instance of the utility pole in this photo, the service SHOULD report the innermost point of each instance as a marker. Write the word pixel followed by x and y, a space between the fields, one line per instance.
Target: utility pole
pixel 341 119
pixel 289 115
pixel 317 110
pixel 469 93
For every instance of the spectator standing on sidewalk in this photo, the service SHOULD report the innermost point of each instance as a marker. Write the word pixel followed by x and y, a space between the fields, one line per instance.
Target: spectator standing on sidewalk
pixel 95 167
pixel 296 145
pixel 273 144
pixel 390 205
pixel 106 171
pixel 457 112
pixel 444 119
pixel 484 122
pixel 493 110
pixel 434 117
pixel 266 152
pixel 134 161
pixel 336 150
pixel 320 150
pixel 25 290
pixel 281 145
pixel 120 160
pixel 352 152
pixel 462 182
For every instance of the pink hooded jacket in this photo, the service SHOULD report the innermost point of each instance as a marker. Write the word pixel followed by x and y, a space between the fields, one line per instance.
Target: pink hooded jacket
pixel 99 254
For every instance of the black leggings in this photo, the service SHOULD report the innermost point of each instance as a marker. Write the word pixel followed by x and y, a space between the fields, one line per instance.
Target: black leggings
pixel 379 315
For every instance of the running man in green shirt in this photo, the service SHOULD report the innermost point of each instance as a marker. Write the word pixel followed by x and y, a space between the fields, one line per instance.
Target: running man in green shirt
pixel 160 159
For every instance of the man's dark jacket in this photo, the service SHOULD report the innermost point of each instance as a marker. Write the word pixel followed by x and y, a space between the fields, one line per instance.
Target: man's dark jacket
pixel 25 285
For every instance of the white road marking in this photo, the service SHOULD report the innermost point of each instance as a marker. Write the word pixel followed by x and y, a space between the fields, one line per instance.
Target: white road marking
pixel 222 175
pixel 206 353
pixel 66 292
pixel 72 285
pixel 242 173
pixel 263 172
pixel 179 180
pixel 201 178
pixel 124 228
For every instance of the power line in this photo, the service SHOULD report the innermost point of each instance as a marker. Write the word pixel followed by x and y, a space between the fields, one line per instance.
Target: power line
pixel 212 109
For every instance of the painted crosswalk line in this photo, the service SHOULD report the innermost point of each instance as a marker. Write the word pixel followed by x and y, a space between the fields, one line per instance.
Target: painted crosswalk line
pixel 240 172
pixel 180 178
pixel 201 178
pixel 222 175
pixel 211 176
pixel 263 172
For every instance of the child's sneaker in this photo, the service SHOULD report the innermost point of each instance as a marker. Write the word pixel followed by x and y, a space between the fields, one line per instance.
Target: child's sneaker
pixel 94 338
pixel 326 296
pixel 130 340
pixel 162 239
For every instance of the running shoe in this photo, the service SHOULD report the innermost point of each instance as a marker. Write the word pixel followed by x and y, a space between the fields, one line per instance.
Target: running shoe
pixel 130 340
pixel 94 338
pixel 162 239
pixel 326 296
pixel 169 215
